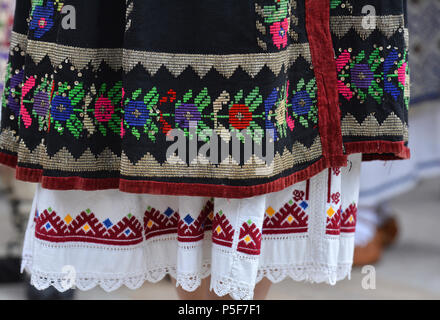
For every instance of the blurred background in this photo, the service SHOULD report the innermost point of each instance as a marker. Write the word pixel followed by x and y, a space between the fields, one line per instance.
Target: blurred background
pixel 398 221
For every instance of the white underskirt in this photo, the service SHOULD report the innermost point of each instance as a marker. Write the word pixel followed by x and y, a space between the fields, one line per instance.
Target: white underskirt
pixel 315 244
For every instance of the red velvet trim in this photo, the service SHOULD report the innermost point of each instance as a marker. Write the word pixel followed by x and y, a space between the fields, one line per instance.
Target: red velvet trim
pixel 329 184
pixel 379 150
pixel 307 189
pixel 167 188
pixel 373 150
pixel 222 191
pixel 324 66
pixel 65 183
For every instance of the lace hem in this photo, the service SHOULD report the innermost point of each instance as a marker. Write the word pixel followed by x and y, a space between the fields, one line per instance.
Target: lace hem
pixel 312 273
pixel 64 281
pixel 189 282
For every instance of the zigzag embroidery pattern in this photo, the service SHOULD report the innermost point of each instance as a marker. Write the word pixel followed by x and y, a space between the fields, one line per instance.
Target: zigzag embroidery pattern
pixel 388 25
pixel 175 63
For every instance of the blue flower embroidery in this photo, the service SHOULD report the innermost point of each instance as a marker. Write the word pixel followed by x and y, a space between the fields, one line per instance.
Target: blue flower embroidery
pixel 42 19
pixel 61 108
pixel 268 104
pixel 388 64
pixel 136 113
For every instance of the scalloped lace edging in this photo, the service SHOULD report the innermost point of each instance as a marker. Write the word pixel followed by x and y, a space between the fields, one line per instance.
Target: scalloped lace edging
pixel 189 282
pixel 311 273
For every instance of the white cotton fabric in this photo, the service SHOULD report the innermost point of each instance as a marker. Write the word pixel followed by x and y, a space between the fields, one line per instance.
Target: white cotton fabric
pixel 319 254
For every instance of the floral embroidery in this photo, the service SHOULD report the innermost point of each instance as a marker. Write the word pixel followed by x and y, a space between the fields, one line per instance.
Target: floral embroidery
pixel 104 109
pixel 13 97
pixel 61 108
pixel 277 107
pixel 268 104
pixel 361 76
pixel 187 113
pixel 136 113
pixel 402 74
pixel 304 107
pixel 240 116
pixel 41 103
pixel 24 114
pixel 277 16
pixel 275 25
pixel 388 64
pixel 279 31
pixel 281 113
pixel 107 108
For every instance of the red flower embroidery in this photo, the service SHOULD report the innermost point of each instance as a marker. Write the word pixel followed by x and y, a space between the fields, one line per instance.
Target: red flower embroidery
pixel 103 109
pixel 239 116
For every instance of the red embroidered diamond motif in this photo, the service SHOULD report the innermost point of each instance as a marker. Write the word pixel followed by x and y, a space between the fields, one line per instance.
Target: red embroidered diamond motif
pixel 159 223
pixel 87 228
pixel 348 219
pixel 291 218
pixel 250 238
pixel 222 231
pixel 190 230
pixel 333 221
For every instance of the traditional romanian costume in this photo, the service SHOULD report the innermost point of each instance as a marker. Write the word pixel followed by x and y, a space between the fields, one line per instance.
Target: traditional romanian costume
pixel 200 138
